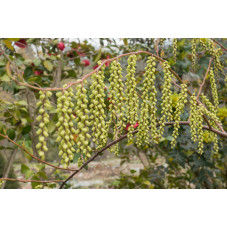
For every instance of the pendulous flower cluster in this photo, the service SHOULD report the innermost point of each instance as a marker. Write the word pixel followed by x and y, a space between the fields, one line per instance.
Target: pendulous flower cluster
pixel 199 122
pixel 166 99
pixel 193 117
pixel 214 90
pixel 132 101
pixel 82 119
pixel 148 95
pixel 209 47
pixel 175 49
pixel 97 109
pixel 196 122
pixel 65 126
pixel 179 109
pixel 116 99
pixel 211 112
pixel 193 52
pixel 43 118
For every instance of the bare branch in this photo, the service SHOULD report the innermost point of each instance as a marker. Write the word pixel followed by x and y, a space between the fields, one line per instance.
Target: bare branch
pixel 87 75
pixel 223 48
pixel 26 181
pixel 204 79
pixel 68 169
pixel 134 132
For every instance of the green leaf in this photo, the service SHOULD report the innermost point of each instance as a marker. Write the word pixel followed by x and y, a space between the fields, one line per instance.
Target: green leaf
pixel 5 78
pixel 2 63
pixel 36 62
pixel 40 166
pixel 51 126
pixel 26 130
pixel 28 174
pixel 28 72
pixel 48 65
pixel 98 56
pixel 72 73
pixel 11 134
pixel 34 184
pixel 24 121
pixel 42 174
pixel 170 138
pixel 8 44
pixel 13 39
pixel 21 103
pixel 132 171
pixel 125 41
pixel 24 168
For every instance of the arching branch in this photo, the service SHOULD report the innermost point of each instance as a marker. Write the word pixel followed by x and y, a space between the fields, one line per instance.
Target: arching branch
pixel 223 48
pixel 46 163
pixel 223 134
pixel 26 181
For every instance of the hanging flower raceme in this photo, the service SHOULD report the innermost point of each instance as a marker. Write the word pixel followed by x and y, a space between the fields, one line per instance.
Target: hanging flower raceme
pixel 193 52
pixel 214 90
pixel 65 125
pixel 199 116
pixel 116 99
pixel 179 109
pixel 166 99
pixel 132 101
pixel 97 109
pixel 175 49
pixel 193 117
pixel 43 118
pixel 148 95
pixel 82 119
pixel 211 112
pixel 209 47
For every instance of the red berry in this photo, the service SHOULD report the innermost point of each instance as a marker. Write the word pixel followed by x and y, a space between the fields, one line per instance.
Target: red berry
pixel 95 67
pixel 21 43
pixel 61 46
pixel 81 54
pixel 37 73
pixel 127 126
pixel 107 63
pixel 136 125
pixel 86 62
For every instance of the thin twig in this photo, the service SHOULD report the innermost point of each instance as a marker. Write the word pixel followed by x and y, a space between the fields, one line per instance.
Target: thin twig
pixel 134 132
pixel 89 74
pixel 68 169
pixel 204 79
pixel 26 181
pixel 223 48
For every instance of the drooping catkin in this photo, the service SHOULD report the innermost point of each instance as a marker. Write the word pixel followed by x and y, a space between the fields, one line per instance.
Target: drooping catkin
pixel 131 96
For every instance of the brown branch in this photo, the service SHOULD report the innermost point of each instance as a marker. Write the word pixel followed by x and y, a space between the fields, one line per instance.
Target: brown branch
pixel 89 74
pixel 173 82
pixel 204 79
pixel 134 132
pixel 97 69
pixel 26 181
pixel 68 169
pixel 223 48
